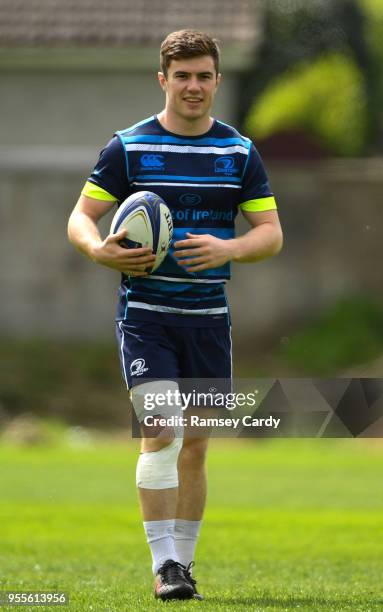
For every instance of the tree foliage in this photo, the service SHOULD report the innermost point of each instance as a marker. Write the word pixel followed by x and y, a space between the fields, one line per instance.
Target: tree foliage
pixel 326 98
pixel 334 48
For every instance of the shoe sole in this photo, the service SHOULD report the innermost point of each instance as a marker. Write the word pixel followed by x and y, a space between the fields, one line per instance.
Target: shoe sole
pixel 177 594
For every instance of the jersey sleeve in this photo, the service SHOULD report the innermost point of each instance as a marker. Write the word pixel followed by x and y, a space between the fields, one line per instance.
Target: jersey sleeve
pixel 110 173
pixel 256 195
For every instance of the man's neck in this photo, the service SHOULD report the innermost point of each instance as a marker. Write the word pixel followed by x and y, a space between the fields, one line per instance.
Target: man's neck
pixel 178 125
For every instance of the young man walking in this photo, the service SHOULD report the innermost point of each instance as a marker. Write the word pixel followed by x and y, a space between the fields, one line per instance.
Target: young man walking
pixel 175 321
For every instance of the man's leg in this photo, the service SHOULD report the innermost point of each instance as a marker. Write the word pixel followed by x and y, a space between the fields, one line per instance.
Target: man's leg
pixel 191 497
pixel 206 358
pixel 157 483
pixel 156 471
pixel 192 479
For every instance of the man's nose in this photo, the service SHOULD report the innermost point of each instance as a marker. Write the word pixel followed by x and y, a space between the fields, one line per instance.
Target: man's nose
pixel 193 84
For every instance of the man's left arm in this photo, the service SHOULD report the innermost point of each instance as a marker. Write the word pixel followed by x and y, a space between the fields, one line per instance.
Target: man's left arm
pixel 202 252
pixel 264 240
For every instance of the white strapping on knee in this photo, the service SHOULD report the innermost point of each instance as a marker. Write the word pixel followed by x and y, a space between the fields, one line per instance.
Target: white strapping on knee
pixel 158 469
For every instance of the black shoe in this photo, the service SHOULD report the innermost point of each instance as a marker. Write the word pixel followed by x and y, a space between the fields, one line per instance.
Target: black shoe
pixel 191 581
pixel 171 582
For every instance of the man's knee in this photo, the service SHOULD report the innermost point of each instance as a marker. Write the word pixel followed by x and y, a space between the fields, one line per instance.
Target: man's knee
pixel 161 443
pixel 155 439
pixel 158 469
pixel 194 450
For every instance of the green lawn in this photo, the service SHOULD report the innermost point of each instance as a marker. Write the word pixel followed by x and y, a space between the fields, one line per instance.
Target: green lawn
pixel 290 524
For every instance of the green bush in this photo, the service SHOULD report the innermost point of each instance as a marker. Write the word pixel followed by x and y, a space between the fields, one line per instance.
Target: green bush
pixel 349 333
pixel 373 10
pixel 326 99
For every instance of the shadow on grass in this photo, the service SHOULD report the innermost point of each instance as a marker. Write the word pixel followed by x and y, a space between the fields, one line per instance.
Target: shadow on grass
pixel 294 601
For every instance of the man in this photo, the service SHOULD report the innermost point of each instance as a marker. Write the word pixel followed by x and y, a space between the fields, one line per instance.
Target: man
pixel 175 321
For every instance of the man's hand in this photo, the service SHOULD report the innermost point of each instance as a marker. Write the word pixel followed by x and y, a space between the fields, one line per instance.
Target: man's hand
pixel 133 262
pixel 202 252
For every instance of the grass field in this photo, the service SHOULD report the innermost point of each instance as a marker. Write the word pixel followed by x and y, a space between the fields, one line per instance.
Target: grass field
pixel 290 525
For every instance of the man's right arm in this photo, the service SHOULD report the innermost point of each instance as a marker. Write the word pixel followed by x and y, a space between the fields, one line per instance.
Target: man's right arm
pixel 83 233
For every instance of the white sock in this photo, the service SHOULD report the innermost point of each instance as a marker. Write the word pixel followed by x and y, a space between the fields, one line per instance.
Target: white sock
pixel 185 539
pixel 160 537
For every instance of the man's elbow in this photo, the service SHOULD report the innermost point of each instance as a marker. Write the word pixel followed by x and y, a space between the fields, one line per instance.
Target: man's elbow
pixel 70 229
pixel 74 228
pixel 277 243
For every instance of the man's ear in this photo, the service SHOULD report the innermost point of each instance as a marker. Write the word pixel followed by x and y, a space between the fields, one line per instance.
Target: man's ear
pixel 162 80
pixel 219 76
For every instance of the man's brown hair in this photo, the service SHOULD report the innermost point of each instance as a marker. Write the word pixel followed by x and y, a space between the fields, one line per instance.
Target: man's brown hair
pixel 186 44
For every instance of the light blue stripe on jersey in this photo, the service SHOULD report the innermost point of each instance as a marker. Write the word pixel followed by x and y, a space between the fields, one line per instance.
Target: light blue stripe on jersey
pixel 179 233
pixel 177 299
pixel 136 125
pixel 200 179
pixel 246 164
pixel 216 142
pixel 176 288
pixel 126 155
pixel 121 137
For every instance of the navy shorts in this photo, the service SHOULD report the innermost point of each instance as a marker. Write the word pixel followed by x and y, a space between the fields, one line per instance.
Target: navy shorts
pixel 151 351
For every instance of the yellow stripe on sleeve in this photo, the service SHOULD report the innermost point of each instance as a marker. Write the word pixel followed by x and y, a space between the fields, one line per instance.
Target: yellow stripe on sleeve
pixel 259 205
pixel 91 190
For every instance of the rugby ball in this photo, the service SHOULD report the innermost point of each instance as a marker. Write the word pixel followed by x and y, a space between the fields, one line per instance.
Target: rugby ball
pixel 148 222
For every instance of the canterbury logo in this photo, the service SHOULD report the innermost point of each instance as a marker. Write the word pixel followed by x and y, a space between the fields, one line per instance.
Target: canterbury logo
pixel 149 160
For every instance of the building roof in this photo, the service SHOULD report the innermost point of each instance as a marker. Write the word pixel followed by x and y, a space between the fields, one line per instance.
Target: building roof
pixel 123 23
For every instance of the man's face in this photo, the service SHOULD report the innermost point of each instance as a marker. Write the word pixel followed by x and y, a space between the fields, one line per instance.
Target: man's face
pixel 190 87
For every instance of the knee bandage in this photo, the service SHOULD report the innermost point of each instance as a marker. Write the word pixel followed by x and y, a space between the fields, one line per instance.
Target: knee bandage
pixel 158 469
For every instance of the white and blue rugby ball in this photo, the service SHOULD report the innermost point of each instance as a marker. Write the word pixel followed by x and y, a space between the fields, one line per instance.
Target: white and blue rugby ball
pixel 148 222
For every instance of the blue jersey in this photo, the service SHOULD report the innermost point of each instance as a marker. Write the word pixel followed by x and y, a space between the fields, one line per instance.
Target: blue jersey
pixel 204 180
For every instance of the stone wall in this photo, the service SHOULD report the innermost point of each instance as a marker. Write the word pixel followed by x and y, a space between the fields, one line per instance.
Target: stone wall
pixel 84 108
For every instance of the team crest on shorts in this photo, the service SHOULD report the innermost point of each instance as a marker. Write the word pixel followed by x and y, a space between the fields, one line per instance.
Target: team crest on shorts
pixel 137 367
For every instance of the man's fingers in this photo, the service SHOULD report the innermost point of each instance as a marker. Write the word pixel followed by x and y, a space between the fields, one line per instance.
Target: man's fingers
pixel 192 261
pixel 134 273
pixel 147 251
pixel 191 243
pixel 197 268
pixel 121 234
pixel 190 252
pixel 133 259
pixel 134 268
pixel 116 238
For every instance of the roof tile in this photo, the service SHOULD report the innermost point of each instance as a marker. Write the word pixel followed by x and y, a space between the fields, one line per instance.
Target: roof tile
pixel 122 23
